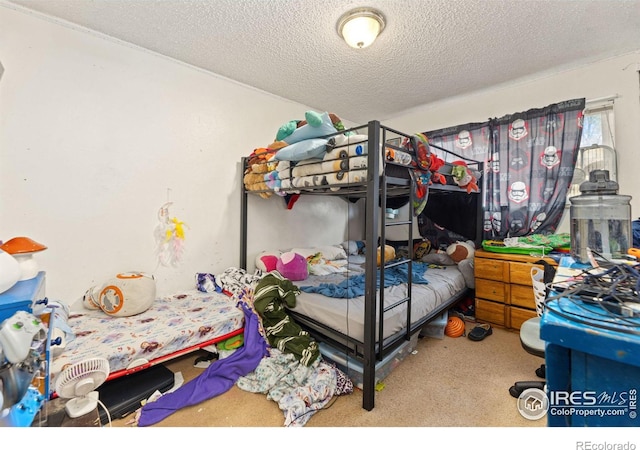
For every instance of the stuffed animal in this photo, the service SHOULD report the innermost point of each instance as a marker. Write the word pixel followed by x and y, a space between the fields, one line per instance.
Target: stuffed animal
pixel 124 295
pixel 462 254
pixel 389 253
pixel 292 266
pixel 266 261
pixel 421 248
pixel 325 123
pixel 459 251
pixel 464 177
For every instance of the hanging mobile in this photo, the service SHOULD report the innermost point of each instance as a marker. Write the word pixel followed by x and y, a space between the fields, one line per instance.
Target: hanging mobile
pixel 169 236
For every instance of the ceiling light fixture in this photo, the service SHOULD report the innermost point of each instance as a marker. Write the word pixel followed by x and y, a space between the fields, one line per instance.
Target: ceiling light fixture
pixel 361 26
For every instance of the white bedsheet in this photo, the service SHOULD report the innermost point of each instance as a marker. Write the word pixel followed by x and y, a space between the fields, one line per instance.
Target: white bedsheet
pixel 347 315
pixel 173 323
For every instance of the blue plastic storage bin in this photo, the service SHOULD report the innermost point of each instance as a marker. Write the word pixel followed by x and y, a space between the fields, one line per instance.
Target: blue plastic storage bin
pixel 592 365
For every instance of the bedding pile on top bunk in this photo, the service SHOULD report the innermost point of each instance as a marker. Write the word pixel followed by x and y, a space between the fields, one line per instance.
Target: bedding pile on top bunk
pixel 311 155
pixel 344 161
pixel 322 154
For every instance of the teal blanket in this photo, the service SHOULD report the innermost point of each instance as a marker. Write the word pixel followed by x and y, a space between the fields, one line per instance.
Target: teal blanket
pixel 354 286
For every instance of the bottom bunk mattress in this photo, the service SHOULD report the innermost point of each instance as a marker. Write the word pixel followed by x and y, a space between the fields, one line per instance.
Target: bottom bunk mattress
pixel 444 285
pixel 174 325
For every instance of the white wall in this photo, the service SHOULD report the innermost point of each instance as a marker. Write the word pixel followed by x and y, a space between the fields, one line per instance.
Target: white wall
pixel 615 76
pixel 95 136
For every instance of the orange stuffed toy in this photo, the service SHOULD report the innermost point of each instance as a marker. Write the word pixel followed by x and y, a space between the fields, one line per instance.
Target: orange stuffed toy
pixel 464 177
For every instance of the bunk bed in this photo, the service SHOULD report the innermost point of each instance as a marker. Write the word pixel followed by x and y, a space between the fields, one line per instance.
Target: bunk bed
pixel 383 177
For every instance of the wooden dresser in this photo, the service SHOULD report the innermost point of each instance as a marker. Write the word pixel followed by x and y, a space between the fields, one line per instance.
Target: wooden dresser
pixel 504 292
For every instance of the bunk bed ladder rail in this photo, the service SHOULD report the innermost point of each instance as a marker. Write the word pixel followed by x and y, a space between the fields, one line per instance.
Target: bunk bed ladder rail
pixel 243 215
pixel 376 199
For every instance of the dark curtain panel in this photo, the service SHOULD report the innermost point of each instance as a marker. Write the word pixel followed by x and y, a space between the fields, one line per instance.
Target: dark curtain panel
pixel 529 161
pixel 533 157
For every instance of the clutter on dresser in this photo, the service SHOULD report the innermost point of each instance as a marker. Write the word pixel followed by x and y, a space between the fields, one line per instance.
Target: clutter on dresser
pixel 531 245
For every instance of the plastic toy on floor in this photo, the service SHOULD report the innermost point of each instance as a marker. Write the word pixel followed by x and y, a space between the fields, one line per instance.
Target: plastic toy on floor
pixel 455 327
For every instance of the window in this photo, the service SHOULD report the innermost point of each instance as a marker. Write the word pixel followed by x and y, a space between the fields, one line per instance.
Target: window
pixel 597 146
pixel 598 126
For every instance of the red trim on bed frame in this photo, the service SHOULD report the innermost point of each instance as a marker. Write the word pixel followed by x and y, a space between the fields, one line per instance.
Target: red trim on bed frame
pixel 173 355
pixel 161 359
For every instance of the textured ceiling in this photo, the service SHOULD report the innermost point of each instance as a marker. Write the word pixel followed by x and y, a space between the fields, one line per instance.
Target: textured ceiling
pixel 429 50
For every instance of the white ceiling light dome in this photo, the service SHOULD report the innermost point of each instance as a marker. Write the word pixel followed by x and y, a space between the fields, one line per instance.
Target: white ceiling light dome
pixel 361 26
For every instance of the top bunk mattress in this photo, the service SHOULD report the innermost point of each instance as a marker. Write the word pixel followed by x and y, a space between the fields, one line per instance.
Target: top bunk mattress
pixel 173 323
pixel 346 315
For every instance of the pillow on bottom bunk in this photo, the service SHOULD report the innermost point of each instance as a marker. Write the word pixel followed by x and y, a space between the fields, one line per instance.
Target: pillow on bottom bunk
pixel 465 266
pixel 266 261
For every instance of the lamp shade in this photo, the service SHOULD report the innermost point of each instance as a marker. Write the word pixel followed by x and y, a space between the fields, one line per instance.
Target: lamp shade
pixel 22 249
pixel 21 244
pixel 360 27
pixel 10 271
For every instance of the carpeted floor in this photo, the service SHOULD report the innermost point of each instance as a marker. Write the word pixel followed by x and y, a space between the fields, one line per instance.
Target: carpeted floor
pixel 449 382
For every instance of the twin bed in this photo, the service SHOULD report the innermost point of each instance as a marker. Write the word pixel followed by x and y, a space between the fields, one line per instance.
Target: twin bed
pixel 173 326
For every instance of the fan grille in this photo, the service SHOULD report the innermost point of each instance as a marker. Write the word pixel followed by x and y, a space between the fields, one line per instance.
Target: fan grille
pixel 82 377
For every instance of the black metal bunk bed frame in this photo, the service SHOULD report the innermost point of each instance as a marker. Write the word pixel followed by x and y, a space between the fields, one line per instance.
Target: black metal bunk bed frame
pixel 376 191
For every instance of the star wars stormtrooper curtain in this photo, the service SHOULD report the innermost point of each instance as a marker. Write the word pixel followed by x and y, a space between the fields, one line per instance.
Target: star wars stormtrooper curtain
pixel 537 153
pixel 529 161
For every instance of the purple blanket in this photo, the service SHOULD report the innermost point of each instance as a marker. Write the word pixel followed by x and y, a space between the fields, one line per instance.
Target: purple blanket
pixel 216 379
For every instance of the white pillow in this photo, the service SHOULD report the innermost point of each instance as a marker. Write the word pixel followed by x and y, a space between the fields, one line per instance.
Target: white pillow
pixel 438 258
pixel 298 151
pixel 329 252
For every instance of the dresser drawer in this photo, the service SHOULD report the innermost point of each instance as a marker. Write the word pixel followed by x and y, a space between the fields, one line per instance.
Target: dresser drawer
pixel 522 296
pixel 492 290
pixel 517 316
pixel 520 273
pixel 491 269
pixel 490 312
